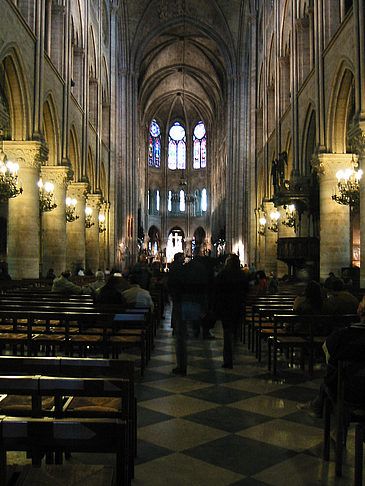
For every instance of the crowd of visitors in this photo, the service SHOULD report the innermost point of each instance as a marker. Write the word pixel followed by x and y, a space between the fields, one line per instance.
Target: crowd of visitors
pixel 202 291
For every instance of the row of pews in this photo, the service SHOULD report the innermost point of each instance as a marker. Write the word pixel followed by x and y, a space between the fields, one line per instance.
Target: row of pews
pixel 64 385
pixel 270 320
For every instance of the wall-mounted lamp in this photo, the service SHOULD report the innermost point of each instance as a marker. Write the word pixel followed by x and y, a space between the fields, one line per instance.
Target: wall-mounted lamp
pixel 262 226
pixel 348 184
pixel 9 184
pixel 102 226
pixel 71 210
pixel 46 197
pixel 88 217
pixel 274 215
pixel 290 216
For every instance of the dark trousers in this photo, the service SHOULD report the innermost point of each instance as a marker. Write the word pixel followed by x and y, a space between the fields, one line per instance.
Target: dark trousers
pixel 229 332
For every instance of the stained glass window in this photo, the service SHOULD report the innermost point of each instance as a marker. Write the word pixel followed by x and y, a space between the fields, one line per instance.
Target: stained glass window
pixel 169 201
pixel 154 145
pixel 177 147
pixel 199 146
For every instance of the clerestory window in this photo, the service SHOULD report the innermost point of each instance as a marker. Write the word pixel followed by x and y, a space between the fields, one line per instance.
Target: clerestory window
pixel 154 145
pixel 199 146
pixel 177 147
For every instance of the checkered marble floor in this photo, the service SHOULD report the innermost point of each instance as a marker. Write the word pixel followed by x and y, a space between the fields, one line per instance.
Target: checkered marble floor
pixel 228 427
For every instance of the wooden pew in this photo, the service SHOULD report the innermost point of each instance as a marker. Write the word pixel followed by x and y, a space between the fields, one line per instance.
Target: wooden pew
pixel 38 435
pixel 303 331
pixel 61 331
pixel 74 368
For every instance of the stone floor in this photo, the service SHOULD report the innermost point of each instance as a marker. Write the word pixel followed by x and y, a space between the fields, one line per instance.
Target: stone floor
pixel 217 427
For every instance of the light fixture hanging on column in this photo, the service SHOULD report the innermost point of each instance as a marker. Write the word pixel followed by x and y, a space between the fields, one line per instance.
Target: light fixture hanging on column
pixel 348 185
pixel 71 210
pixel 88 217
pixel 9 184
pixel 102 226
pixel 290 216
pixel 262 226
pixel 46 197
pixel 274 215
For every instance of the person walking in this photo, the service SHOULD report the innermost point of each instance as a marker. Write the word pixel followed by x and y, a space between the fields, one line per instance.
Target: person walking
pixel 231 287
pixel 188 285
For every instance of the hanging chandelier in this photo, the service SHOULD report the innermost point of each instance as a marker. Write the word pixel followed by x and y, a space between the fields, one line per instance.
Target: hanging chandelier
pixel 9 184
pixel 348 186
pixel 46 197
pixel 262 226
pixel 88 217
pixel 274 215
pixel 290 215
pixel 71 210
pixel 102 226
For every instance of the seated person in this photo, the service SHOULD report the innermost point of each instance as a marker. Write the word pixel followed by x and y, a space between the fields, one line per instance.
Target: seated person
pixel 343 344
pixel 100 281
pixel 50 274
pixel 340 300
pixel 111 293
pixel 63 285
pixel 136 296
pixel 312 302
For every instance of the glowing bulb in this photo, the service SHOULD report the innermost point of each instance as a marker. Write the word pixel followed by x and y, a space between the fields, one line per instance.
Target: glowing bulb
pixel 101 218
pixel 88 211
pixel 262 221
pixel 48 186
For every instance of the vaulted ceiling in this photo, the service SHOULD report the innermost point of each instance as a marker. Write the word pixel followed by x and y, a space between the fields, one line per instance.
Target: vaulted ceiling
pixel 182 76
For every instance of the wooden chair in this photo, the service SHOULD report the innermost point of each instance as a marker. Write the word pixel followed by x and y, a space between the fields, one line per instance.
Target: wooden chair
pixel 39 435
pixel 350 374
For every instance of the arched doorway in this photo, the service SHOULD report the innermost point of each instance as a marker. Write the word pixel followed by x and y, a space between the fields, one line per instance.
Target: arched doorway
pixel 175 243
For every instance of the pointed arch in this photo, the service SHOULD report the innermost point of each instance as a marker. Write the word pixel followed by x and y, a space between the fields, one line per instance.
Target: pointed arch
pixel 17 93
pixel 51 130
pixel 338 108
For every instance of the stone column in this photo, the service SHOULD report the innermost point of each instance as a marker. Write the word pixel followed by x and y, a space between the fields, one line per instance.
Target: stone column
pixel 335 251
pixel 270 260
pixel 92 234
pixel 23 222
pixel 104 209
pixel 362 224
pixel 75 231
pixel 53 223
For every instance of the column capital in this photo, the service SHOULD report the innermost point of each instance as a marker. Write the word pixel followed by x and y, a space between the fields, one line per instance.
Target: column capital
pixel 59 174
pixel 326 164
pixel 78 189
pixel 94 200
pixel 30 154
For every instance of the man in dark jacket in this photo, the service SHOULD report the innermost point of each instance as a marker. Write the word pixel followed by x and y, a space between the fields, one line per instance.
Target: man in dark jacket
pixel 187 285
pixel 231 287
